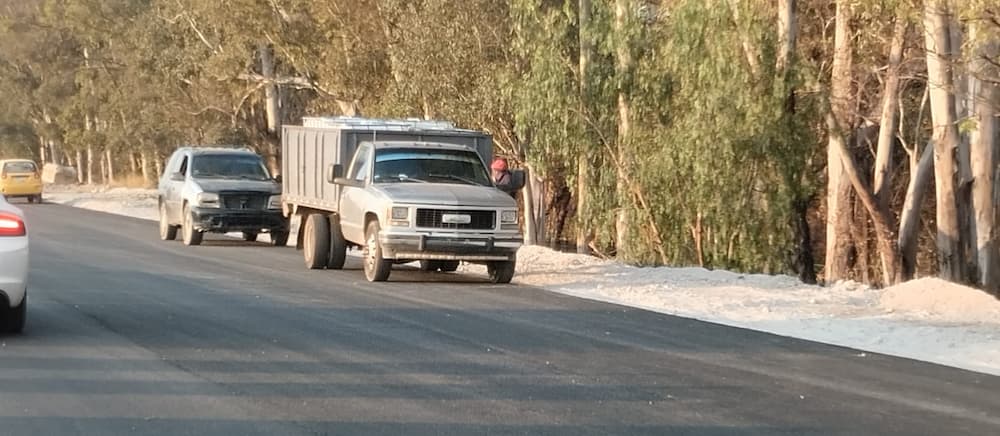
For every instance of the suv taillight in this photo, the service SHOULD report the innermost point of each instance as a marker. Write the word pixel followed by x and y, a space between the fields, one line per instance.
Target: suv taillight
pixel 12 225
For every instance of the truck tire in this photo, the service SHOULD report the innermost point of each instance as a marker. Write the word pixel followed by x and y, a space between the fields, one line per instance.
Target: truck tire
pixel 167 232
pixel 448 265
pixel 377 269
pixel 501 272
pixel 316 245
pixel 338 245
pixel 429 265
pixel 250 236
pixel 189 234
pixel 279 238
pixel 16 317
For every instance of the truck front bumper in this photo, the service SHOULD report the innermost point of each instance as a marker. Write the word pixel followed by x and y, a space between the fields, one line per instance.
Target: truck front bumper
pixel 223 221
pixel 473 248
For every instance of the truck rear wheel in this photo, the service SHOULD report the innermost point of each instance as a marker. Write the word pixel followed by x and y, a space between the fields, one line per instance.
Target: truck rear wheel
pixel 316 243
pixel 377 269
pixel 501 272
pixel 338 245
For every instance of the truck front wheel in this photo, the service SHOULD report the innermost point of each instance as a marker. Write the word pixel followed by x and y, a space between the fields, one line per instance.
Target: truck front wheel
pixel 377 269
pixel 316 244
pixel 338 246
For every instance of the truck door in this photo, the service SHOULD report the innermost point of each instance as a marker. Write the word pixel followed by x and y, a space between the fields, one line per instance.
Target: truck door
pixel 352 200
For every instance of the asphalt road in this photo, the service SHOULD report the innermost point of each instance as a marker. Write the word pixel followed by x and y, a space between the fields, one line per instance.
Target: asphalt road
pixel 131 335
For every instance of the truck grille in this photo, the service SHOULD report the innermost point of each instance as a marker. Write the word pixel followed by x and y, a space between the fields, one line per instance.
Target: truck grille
pixel 478 219
pixel 244 200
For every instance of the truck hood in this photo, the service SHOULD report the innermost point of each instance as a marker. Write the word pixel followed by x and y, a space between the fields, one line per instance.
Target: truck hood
pixel 217 185
pixel 446 194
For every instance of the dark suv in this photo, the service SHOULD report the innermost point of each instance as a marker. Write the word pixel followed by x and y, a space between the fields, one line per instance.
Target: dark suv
pixel 219 190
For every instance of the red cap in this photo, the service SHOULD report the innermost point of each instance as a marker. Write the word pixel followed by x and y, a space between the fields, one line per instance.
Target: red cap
pixel 499 164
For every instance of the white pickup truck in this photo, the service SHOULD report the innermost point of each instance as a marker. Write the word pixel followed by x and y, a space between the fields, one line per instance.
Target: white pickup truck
pixel 401 191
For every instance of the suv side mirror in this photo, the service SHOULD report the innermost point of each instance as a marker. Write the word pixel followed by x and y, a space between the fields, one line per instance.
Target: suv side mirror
pixel 517 180
pixel 333 172
pixel 177 177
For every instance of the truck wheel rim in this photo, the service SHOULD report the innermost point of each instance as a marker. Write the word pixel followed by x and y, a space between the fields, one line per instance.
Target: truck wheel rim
pixel 370 250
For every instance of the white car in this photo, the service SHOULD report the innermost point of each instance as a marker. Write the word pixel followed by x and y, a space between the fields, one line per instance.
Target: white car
pixel 13 268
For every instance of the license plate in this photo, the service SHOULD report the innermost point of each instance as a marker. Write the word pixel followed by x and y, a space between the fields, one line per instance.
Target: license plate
pixel 456 219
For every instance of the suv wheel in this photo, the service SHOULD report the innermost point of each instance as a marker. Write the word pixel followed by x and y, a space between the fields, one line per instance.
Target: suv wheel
pixel 377 269
pixel 501 272
pixel 167 231
pixel 250 236
pixel 191 235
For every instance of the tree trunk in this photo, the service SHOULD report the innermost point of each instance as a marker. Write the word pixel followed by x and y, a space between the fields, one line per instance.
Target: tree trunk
pixel 90 164
pixel 583 180
pixel 909 218
pixel 41 150
pixel 838 222
pixel 110 166
pixel 80 175
pixel 623 231
pixel 984 144
pixel 946 139
pixel 887 127
pixel 144 165
pixel 787 34
pixel 881 217
pixel 272 106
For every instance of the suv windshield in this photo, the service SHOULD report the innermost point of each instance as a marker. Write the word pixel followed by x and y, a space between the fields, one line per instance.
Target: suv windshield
pixel 395 165
pixel 19 167
pixel 228 166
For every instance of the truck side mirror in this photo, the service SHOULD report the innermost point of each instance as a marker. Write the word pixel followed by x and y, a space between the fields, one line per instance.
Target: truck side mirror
pixel 517 180
pixel 177 177
pixel 277 178
pixel 333 172
pixel 343 181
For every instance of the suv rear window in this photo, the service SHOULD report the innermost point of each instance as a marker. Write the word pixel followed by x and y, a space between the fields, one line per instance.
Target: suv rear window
pixel 19 167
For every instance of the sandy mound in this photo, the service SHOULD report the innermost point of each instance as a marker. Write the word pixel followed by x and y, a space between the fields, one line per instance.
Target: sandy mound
pixel 933 297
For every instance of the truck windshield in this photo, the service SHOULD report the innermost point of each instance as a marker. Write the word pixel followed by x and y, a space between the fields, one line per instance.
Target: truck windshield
pixel 397 165
pixel 228 166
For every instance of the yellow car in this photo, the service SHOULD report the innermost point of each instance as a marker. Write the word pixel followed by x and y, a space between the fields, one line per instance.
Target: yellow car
pixel 20 178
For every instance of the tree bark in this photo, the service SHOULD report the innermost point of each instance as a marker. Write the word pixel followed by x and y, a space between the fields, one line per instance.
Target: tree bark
pixel 887 127
pixel 787 33
pixel 80 175
pixel 144 166
pixel 838 222
pixel 943 115
pixel 272 105
pixel 984 144
pixel 110 166
pixel 583 232
pixel 90 164
pixel 881 217
pixel 909 218
pixel 623 54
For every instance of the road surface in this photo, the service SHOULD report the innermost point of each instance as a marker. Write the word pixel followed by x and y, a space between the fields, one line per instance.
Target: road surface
pixel 131 335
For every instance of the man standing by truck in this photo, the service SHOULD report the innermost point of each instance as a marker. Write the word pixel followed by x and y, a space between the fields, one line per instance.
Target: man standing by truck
pixel 501 176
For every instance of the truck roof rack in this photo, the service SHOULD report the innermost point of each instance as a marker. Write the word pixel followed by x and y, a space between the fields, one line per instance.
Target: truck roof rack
pixel 379 124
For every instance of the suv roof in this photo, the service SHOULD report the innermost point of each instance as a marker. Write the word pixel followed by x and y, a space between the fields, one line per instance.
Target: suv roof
pixel 195 150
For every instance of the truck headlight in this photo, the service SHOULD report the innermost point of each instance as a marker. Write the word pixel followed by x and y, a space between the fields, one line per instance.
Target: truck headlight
pixel 207 199
pixel 508 217
pixel 274 202
pixel 400 213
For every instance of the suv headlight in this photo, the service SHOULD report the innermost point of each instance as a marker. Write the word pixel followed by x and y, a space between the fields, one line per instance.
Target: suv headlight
pixel 274 202
pixel 207 199
pixel 508 217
